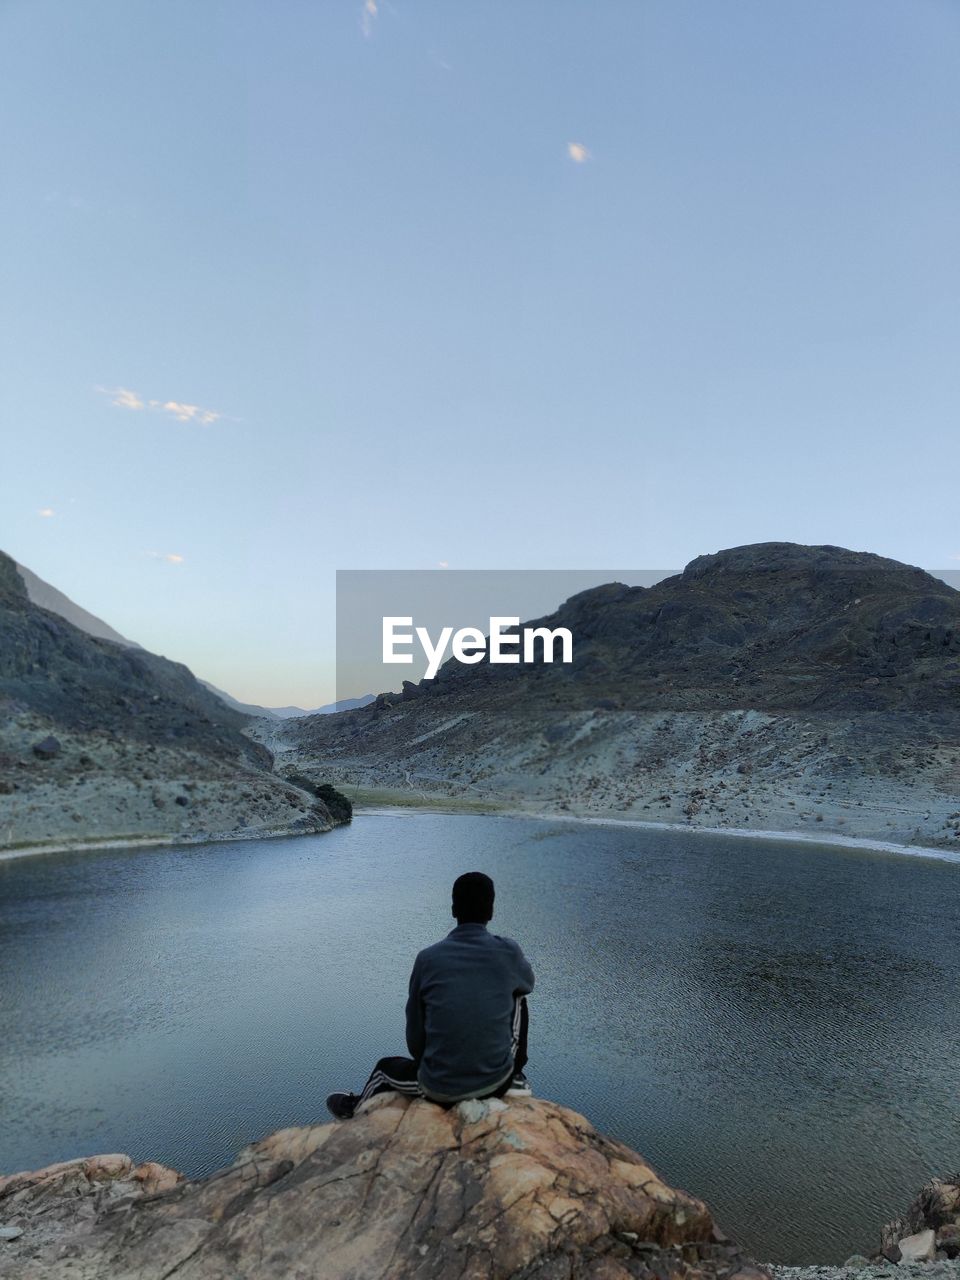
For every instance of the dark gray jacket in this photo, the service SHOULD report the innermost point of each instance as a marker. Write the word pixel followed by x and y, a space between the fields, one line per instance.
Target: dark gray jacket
pixel 460 1011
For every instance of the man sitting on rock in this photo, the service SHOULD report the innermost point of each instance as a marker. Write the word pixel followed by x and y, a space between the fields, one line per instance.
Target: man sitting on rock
pixel 466 1014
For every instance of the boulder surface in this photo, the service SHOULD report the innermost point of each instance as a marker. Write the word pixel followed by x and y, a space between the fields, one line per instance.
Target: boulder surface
pixel 518 1188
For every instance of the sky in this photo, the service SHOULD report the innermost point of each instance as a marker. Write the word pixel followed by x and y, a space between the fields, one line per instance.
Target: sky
pixel 292 288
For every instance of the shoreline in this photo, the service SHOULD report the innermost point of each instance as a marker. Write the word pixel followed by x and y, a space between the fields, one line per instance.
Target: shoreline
pixel 175 840
pixel 868 844
pixel 398 802
pixel 865 843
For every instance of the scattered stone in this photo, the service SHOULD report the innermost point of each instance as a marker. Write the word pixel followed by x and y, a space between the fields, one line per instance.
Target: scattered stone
pixel 476 1109
pixel 11 1233
pixel 891 1251
pixel 47 748
pixel 918 1248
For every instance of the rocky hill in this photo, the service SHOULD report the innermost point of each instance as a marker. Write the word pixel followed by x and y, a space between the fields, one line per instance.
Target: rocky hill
pixel 53 601
pixel 772 686
pixel 521 1189
pixel 48 597
pixel 102 741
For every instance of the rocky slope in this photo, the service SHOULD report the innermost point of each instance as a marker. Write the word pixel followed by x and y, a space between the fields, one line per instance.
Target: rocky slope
pixel 923 1244
pixel 48 597
pixel 522 1188
pixel 773 686
pixel 100 741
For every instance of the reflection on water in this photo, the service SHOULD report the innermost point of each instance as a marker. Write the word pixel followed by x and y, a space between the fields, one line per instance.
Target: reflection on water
pixel 772 1025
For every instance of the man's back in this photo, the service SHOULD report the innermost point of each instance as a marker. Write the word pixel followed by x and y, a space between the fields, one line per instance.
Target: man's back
pixel 460 1011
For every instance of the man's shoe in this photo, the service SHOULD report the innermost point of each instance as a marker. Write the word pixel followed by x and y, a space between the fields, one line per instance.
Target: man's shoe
pixel 519 1086
pixel 342 1105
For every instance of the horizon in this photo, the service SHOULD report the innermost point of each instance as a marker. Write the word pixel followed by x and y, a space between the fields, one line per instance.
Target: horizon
pixel 495 589
pixel 388 285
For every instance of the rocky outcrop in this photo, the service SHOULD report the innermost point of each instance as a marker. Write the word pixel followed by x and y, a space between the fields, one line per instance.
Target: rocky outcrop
pixel 773 686
pixel 518 1189
pixel 923 1244
pixel 930 1229
pixel 84 682
pixel 102 742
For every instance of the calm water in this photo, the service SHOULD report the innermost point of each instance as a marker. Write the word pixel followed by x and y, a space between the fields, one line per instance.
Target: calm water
pixel 774 1026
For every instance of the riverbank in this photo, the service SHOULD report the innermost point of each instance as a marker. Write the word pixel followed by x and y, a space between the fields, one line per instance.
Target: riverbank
pixel 71 791
pixel 889 779
pixel 943 1269
pixel 175 839
pixel 373 800
pixel 370 800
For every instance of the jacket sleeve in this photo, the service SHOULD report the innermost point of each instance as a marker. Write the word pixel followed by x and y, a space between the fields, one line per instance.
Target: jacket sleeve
pixel 416 1035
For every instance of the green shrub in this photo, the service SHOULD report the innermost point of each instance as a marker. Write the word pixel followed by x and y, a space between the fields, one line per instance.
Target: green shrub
pixel 341 810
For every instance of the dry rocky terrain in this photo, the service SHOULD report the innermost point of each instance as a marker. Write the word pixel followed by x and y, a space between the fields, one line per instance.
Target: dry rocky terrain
pixel 102 742
pixel 520 1188
pixel 771 687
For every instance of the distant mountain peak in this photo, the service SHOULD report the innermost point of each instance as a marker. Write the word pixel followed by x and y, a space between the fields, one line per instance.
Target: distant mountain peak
pixel 774 557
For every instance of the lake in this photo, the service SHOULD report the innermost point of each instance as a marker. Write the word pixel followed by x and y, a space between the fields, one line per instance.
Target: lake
pixel 772 1025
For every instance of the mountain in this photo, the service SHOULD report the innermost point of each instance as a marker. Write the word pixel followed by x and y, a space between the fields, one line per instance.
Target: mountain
pixel 345 704
pixel 773 686
pixel 102 739
pixel 328 709
pixel 246 708
pixel 47 597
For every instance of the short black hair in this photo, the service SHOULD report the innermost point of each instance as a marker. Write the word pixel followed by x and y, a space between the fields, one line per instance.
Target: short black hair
pixel 473 895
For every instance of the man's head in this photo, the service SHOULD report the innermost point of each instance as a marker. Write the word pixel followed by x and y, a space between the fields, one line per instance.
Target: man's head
pixel 473 898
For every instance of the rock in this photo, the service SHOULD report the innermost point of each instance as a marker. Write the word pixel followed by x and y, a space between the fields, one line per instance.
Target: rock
pixel 61 1205
pixel 47 749
pixel 891 1251
pixel 476 1109
pixel 918 1248
pixel 935 1210
pixel 403 1190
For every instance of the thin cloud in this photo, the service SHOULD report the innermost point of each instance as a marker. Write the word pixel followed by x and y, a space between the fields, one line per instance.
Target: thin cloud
pixel 190 412
pixel 47 512
pixel 170 557
pixel 578 153
pixel 443 564
pixel 368 17
pixel 124 398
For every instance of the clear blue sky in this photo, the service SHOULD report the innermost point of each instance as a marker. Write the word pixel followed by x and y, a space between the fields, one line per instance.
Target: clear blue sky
pixel 501 285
